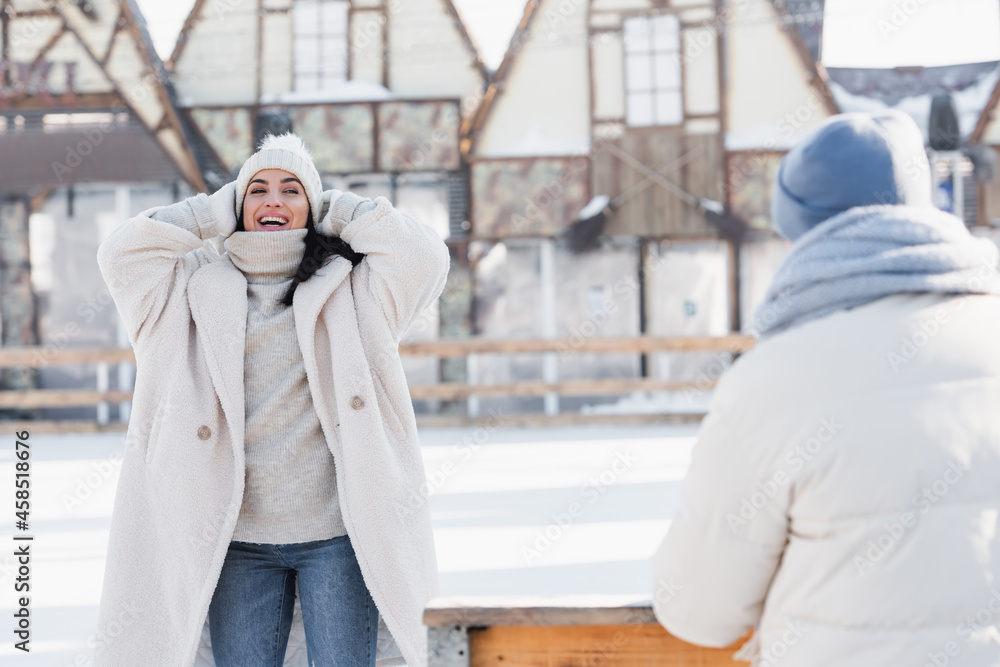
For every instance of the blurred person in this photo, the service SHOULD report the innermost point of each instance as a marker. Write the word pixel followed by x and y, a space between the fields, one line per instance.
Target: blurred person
pixel 272 441
pixel 843 498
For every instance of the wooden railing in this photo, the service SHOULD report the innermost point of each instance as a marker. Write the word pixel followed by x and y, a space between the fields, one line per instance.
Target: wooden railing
pixel 40 357
pixel 645 345
pixel 569 631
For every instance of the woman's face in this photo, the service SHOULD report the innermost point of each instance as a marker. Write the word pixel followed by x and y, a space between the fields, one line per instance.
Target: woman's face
pixel 275 201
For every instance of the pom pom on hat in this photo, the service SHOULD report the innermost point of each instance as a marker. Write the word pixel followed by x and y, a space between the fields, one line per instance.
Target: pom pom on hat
pixel 287 152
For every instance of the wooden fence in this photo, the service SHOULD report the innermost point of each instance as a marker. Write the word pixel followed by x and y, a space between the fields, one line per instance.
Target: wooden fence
pixel 37 357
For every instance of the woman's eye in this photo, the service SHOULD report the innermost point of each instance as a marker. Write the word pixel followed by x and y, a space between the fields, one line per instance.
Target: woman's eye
pixel 291 191
pixel 257 191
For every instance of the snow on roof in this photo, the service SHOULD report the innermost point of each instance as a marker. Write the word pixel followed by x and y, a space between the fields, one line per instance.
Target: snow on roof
pixel 345 91
pixel 907 89
pixel 911 89
pixel 892 85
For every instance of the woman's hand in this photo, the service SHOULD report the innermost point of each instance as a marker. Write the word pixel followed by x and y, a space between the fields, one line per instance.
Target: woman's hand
pixel 340 208
pixel 223 206
pixel 405 264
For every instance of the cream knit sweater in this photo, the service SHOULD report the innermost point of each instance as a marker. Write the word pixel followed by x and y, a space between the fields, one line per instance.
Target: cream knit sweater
pixel 291 486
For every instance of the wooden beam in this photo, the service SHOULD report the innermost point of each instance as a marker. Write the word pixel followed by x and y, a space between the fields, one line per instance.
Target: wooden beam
pixel 563 631
pixel 119 24
pixel 541 420
pixel 182 38
pixel 97 61
pixel 53 398
pixel 735 279
pixel 163 125
pixel 423 421
pixel 818 78
pixel 63 427
pixel 467 39
pixel 450 348
pixel 987 116
pixel 188 166
pixel 84 101
pixel 539 610
pixel 33 13
pixel 447 391
pixel 48 46
pixel 39 357
pixel 588 645
pixel 522 33
pixel 454 390
pixel 83 44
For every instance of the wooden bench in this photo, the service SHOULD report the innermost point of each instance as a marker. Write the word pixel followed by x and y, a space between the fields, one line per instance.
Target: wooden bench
pixel 559 631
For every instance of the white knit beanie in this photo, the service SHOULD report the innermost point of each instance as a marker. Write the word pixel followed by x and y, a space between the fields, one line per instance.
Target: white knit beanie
pixel 285 152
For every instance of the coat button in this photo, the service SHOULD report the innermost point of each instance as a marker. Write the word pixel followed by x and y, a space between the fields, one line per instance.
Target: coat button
pixel 204 432
pixel 357 403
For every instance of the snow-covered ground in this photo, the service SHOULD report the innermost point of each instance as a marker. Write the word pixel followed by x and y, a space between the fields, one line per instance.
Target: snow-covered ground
pixel 534 511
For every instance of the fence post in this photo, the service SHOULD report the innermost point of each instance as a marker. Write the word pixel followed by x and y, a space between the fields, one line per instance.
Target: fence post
pixel 102 386
pixel 17 300
pixel 550 367
pixel 472 373
pixel 126 375
pixel 126 379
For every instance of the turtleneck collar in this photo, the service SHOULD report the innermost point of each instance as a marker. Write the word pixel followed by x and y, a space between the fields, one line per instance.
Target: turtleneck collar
pixel 267 257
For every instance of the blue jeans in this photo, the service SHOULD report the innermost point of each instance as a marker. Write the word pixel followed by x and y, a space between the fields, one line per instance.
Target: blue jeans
pixel 251 610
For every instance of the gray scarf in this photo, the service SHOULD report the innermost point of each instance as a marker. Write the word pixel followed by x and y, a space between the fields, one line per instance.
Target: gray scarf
pixel 871 252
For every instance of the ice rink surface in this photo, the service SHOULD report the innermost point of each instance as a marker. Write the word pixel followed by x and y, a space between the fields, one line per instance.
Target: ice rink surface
pixel 515 512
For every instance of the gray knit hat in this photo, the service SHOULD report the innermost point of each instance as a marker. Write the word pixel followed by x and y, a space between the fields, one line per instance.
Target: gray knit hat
pixel 289 153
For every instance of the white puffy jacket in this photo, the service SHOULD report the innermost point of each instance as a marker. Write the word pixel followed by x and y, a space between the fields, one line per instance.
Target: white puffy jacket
pixel 844 494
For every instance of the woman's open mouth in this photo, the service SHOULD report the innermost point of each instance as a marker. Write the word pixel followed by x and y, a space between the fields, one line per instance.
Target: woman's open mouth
pixel 273 222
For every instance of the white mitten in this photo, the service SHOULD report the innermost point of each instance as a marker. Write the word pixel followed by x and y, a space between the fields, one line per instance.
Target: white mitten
pixel 340 208
pixel 222 204
pixel 324 210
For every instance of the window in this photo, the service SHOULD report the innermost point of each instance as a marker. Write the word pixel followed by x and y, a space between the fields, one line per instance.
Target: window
pixel 653 71
pixel 320 44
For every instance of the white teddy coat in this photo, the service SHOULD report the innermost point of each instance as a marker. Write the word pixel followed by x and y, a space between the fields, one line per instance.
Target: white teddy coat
pixel 180 490
pixel 844 494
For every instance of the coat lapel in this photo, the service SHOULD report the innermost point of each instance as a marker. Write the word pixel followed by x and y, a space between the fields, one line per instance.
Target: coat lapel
pixel 217 294
pixel 311 296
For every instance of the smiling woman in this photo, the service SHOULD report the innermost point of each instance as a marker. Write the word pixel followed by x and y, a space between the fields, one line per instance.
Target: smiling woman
pixel 279 190
pixel 271 437
pixel 274 201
